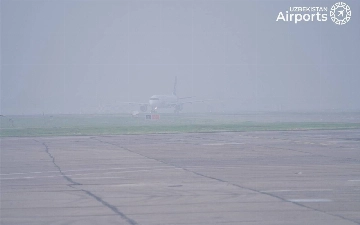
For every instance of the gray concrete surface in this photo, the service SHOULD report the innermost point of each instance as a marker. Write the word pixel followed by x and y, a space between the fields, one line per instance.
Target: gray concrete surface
pixel 297 177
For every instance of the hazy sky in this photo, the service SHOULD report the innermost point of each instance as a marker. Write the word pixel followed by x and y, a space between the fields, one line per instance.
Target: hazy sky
pixel 81 56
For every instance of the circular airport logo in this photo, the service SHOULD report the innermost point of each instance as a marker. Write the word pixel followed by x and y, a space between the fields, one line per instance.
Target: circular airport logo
pixel 340 13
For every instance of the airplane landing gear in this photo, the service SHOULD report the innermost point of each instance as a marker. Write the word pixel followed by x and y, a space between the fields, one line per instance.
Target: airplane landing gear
pixel 178 108
pixel 154 110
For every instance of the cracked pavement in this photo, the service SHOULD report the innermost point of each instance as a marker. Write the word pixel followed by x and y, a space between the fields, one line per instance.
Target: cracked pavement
pixel 275 177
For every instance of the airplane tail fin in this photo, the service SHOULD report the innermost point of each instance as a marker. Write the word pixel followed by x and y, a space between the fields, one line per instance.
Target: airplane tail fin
pixel 175 84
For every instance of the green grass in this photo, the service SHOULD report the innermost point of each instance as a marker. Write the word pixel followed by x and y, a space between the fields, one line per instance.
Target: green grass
pixel 67 125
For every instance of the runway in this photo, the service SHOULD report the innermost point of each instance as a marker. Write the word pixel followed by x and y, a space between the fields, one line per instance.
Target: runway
pixel 265 178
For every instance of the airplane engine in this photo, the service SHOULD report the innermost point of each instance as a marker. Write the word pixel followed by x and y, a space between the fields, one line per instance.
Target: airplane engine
pixel 143 108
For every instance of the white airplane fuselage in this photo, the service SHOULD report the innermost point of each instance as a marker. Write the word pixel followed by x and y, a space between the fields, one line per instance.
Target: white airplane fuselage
pixel 163 101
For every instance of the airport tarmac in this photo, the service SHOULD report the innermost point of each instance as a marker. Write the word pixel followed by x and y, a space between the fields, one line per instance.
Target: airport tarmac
pixel 267 178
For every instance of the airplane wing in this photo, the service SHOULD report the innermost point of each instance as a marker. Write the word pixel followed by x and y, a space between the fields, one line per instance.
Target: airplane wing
pixel 186 97
pixel 194 101
pixel 143 105
pixel 134 103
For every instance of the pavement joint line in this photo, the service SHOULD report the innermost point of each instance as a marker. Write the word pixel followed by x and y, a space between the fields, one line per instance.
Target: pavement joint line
pixel 89 193
pixel 229 183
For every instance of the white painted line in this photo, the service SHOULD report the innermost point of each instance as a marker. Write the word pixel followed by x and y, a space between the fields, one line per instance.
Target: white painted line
pixel 97 178
pixel 80 170
pixel 221 144
pixel 310 200
pixel 21 178
pixel 294 190
pixel 87 174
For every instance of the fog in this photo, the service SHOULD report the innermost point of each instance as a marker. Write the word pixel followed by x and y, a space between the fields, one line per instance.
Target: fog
pixel 80 56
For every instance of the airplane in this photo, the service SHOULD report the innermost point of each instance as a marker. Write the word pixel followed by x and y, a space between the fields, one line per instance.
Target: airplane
pixel 164 101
